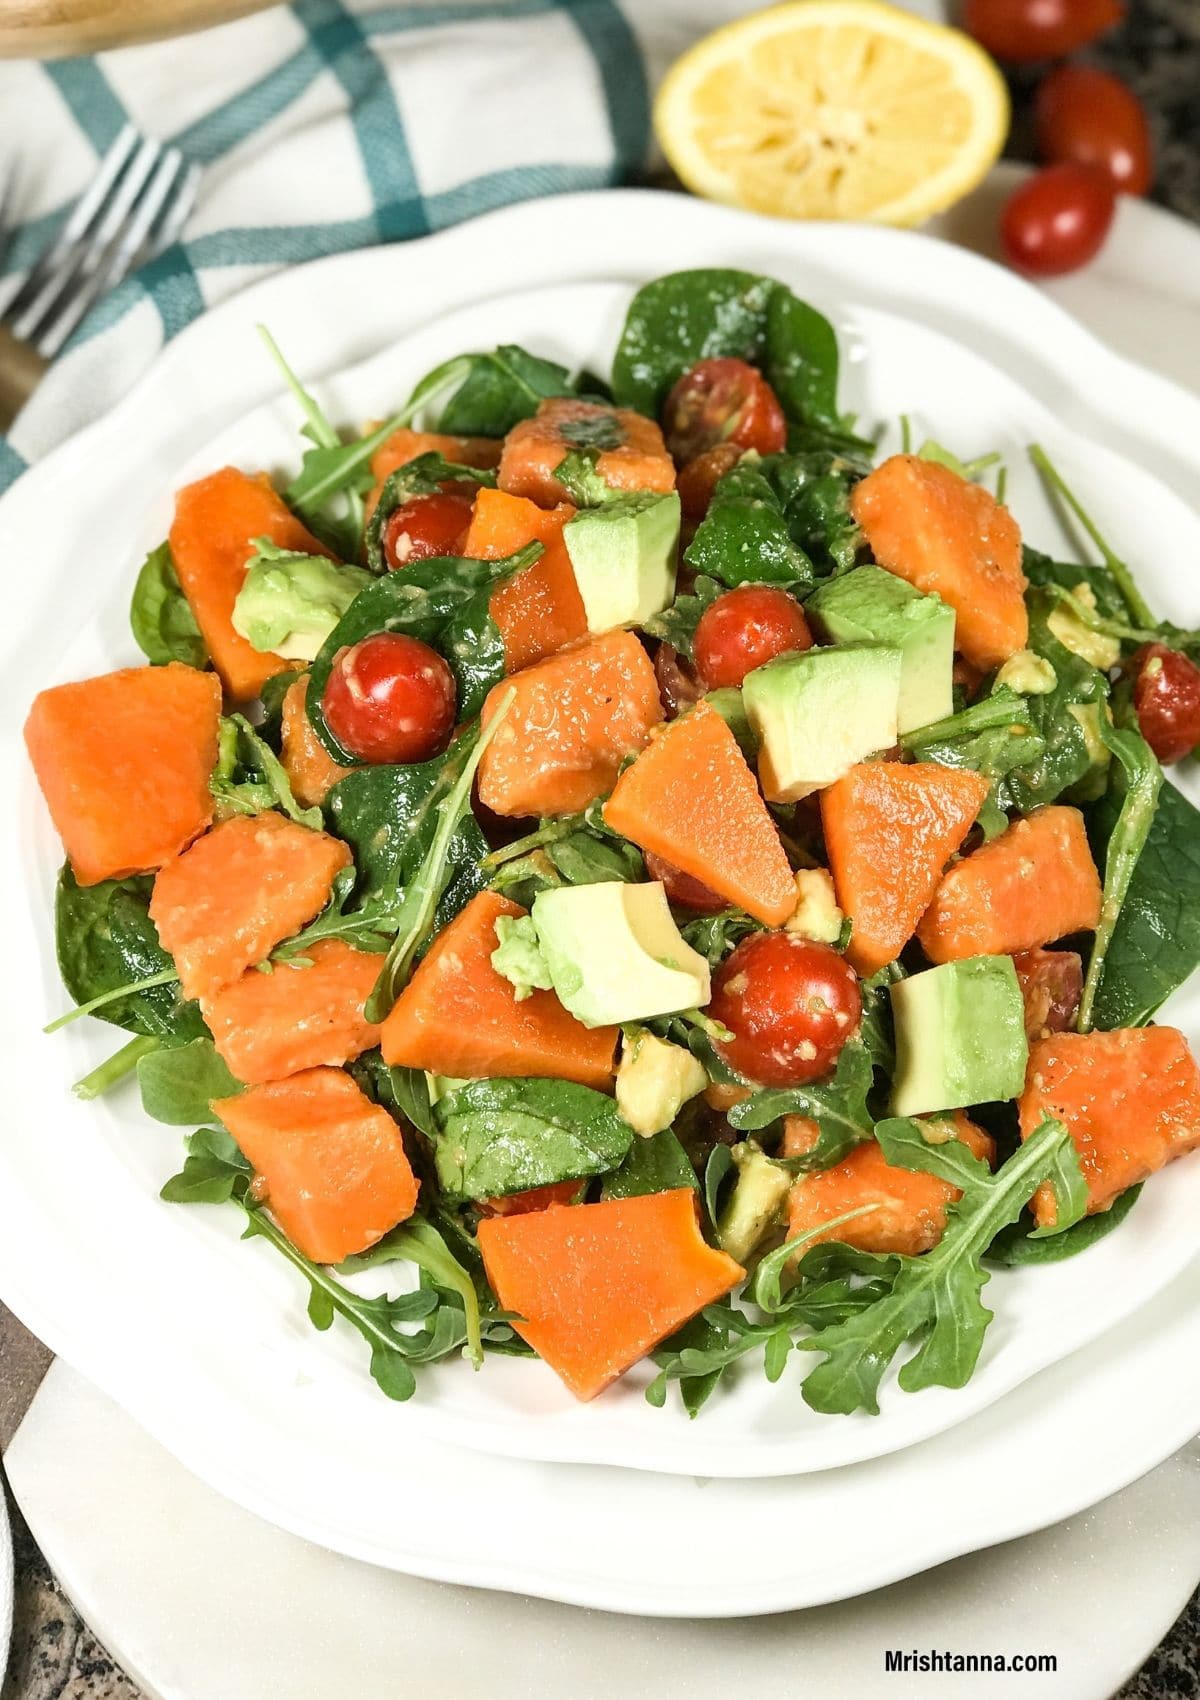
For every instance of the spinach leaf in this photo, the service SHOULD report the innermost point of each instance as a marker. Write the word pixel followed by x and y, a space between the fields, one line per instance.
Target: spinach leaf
pixel 1018 1244
pixel 492 392
pixel 699 315
pixel 1155 944
pixel 1066 757
pixel 936 1297
pixel 423 476
pixel 744 537
pixel 388 817
pixel 838 1106
pixel 215 1172
pixel 501 1136
pixel 164 627
pixel 1048 574
pixel 180 1083
pixel 1142 780
pixel 657 1164
pixel 416 912
pixel 677 624
pixel 249 777
pixel 814 488
pixel 444 602
pixel 106 940
pixel 270 726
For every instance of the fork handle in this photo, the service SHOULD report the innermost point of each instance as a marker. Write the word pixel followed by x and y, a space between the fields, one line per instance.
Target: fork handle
pixel 21 371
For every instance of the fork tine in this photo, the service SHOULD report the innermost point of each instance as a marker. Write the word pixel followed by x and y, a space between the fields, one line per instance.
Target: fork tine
pixel 178 212
pixel 85 210
pixel 121 255
pixel 92 249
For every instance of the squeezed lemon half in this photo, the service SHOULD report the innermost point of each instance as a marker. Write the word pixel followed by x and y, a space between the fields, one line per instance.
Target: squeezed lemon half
pixel 844 109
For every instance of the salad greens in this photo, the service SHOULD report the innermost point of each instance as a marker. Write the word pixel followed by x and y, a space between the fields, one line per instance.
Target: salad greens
pixel 846 1277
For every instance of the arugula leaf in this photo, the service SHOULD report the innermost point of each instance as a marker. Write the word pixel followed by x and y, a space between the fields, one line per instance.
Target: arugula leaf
pixel 580 849
pixel 180 1083
pixel 1142 782
pixel 215 1172
pixel 249 777
pixel 423 476
pixel 160 615
pixel 942 456
pixel 657 1164
pixel 714 936
pixel 415 915
pixel 935 1297
pixel 108 948
pixel 1020 1244
pixel 491 392
pixel 444 602
pixel 992 736
pixel 744 537
pixel 878 1029
pixel 579 475
pixel 1046 573
pixel 1119 573
pixel 677 623
pixel 1155 943
pixel 838 1106
pixel 501 1136
pixel 418 1241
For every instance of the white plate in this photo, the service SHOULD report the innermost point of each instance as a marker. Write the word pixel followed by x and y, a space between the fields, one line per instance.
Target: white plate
pixel 6 1585
pixel 227 1326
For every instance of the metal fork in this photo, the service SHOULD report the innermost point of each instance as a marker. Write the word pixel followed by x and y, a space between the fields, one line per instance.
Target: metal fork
pixel 136 206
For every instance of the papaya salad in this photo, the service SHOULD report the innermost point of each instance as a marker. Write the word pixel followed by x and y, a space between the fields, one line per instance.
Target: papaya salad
pixel 695 887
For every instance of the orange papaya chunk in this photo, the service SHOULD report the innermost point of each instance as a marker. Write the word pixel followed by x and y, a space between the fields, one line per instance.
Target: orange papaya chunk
pixel 599 1285
pixel 223 906
pixel 890 828
pixel 336 1174
pixel 691 798
pixel 1129 1099
pixel 311 770
pixel 458 1016
pixel 1033 884
pixel 573 720
pixel 632 454
pixel 212 542
pixel 910 1213
pixel 267 1026
pixel 405 445
pixel 944 534
pixel 538 610
pixel 124 762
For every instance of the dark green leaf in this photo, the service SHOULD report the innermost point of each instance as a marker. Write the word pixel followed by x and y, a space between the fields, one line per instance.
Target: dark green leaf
pixel 164 627
pixel 213 1173
pixel 838 1106
pixel 423 476
pixel 249 777
pixel 677 624
pixel 494 392
pixel 501 1136
pixel 1141 782
pixel 744 537
pixel 105 940
pixel 1019 1243
pixel 179 1083
pixel 657 1164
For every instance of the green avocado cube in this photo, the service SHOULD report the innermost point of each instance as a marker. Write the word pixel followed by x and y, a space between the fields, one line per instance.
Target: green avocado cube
pixel 818 712
pixel 869 605
pixel 960 1036
pixel 623 555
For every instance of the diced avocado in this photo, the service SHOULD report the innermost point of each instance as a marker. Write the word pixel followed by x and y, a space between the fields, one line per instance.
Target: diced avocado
pixel 615 954
pixel 1027 673
pixel 755 1204
pixel 869 605
pixel 289 603
pixel 960 1036
pixel 624 557
pixel 654 1081
pixel 1094 782
pixel 820 711
pixel 440 1086
pixel 731 706
pixel 1099 648
pixel 816 915
pixel 518 956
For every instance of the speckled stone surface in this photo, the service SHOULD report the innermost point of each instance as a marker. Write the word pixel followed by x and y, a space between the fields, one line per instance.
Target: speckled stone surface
pixel 54 1656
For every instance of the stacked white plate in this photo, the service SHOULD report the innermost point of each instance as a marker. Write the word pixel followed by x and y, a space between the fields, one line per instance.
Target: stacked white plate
pixel 500 1479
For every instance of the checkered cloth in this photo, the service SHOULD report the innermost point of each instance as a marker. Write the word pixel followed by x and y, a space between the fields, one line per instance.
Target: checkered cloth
pixel 323 126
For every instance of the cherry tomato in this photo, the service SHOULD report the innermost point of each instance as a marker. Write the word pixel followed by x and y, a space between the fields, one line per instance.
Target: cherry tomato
pixel 790 1004
pixel 723 401
pixel 1051 985
pixel 1021 31
pixel 426 526
pixel 699 478
pixel 682 889
pixel 390 698
pixel 745 628
pixel 1093 118
pixel 1166 696
pixel 1057 219
pixel 678 686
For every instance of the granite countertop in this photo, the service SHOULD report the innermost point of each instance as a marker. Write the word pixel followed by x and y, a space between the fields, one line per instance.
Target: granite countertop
pixel 54 1655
